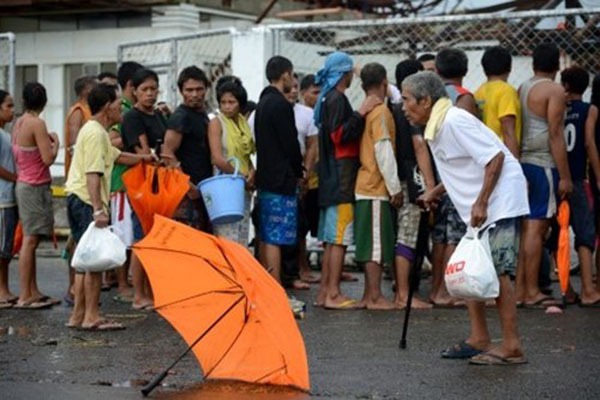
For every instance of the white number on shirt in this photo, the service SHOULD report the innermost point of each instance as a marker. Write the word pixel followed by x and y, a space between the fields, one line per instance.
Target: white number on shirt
pixel 570 136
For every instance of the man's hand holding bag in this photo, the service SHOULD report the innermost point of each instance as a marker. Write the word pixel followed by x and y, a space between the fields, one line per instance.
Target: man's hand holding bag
pixel 99 249
pixel 470 273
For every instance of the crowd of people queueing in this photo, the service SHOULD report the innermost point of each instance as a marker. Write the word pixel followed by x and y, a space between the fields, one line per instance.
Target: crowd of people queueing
pixel 423 147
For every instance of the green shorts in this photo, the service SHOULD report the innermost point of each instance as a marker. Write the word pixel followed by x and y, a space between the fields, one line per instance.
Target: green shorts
pixel 374 232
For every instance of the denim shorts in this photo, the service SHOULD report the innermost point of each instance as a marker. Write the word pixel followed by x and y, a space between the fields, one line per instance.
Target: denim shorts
pixel 80 216
pixel 504 244
pixel 582 217
pixel 449 228
pixel 9 218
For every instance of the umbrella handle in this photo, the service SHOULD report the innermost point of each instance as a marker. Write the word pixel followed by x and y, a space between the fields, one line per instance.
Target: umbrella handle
pixel 154 383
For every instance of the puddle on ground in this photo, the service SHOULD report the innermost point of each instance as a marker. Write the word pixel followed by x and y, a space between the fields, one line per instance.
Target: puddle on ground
pixel 224 390
pixel 20 331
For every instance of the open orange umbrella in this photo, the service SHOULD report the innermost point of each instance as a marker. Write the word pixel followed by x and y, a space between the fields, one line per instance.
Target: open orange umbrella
pixel 563 253
pixel 153 190
pixel 234 316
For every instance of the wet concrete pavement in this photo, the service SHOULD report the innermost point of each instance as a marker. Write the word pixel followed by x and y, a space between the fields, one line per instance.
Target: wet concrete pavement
pixel 352 354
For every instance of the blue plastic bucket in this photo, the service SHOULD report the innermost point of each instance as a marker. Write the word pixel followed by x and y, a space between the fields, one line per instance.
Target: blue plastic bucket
pixel 223 196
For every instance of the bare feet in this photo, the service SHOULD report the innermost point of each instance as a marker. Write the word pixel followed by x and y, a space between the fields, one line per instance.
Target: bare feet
pixel 348 277
pixel 308 277
pixel 540 301
pixel 416 304
pixel 8 297
pixel 300 285
pixel 506 353
pixel 380 303
pixel 590 298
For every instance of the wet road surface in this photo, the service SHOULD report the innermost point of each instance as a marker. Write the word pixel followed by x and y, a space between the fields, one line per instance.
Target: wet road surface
pixel 352 354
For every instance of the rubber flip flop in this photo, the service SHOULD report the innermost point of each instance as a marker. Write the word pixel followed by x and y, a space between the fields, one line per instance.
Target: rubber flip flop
pixel 102 325
pixel 34 305
pixel 493 359
pixel 595 304
pixel 543 303
pixel 6 304
pixel 344 305
pixel 460 351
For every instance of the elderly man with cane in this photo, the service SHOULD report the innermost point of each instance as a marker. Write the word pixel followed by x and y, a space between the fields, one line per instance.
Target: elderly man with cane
pixel 488 188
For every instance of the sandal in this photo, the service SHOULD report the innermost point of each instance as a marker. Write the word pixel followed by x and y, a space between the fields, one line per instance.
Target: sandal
pixel 103 325
pixel 460 350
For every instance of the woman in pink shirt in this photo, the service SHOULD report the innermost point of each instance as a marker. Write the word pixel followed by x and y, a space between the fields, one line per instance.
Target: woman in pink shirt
pixel 35 150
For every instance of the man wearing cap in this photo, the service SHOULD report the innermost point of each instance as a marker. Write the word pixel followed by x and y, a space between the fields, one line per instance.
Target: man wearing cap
pixel 340 129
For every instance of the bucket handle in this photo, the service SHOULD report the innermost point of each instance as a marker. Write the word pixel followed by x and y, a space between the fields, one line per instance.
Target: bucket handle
pixel 236 165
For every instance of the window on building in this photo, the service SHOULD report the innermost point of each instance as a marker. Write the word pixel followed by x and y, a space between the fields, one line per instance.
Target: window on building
pixel 23 74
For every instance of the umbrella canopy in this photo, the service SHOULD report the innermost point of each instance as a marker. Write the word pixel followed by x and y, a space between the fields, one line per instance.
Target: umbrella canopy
pixel 211 287
pixel 153 190
pixel 563 256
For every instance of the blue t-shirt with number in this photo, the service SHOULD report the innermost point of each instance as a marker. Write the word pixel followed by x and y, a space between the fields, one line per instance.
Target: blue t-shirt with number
pixel 577 112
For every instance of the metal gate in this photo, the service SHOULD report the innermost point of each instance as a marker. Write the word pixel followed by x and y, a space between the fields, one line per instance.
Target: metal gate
pixel 7 62
pixel 393 40
pixel 209 50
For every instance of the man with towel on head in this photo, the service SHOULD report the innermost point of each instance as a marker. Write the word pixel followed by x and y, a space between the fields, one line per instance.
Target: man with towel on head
pixel 340 129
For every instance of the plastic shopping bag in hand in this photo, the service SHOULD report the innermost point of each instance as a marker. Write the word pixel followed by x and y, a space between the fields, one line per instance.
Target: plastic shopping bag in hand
pixel 99 249
pixel 470 273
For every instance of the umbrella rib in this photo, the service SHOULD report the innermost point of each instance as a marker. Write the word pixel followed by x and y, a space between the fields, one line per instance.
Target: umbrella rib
pixel 207 374
pixel 187 253
pixel 270 373
pixel 223 291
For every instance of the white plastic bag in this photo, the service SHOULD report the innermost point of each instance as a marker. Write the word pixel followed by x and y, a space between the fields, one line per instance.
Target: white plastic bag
pixel 470 273
pixel 99 249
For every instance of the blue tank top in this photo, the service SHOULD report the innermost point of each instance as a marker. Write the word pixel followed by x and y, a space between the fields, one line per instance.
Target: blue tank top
pixel 577 112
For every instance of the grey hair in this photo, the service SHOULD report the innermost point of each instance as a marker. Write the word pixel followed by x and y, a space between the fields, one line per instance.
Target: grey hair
pixel 425 84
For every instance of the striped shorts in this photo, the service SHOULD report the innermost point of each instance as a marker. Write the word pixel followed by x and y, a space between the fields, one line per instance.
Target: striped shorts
pixel 336 224
pixel 374 232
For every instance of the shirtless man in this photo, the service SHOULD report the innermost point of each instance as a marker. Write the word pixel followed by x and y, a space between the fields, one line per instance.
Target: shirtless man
pixel 545 164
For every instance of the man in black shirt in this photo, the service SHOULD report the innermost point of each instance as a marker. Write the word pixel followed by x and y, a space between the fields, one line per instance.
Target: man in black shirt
pixel 279 165
pixel 186 143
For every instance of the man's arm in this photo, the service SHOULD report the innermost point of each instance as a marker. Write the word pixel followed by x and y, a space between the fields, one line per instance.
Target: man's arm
pixel 467 102
pixel 285 129
pixel 349 129
pixel 492 172
pixel 115 139
pixel 555 114
pixel 388 167
pixel 73 126
pixel 170 146
pixel 93 188
pixel 133 159
pixel 312 152
pixel 509 133
pixel 423 160
pixel 590 143
pixel 7 175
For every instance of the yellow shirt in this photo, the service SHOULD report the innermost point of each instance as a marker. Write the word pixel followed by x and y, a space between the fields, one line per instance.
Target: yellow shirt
pixel 379 125
pixel 497 99
pixel 93 154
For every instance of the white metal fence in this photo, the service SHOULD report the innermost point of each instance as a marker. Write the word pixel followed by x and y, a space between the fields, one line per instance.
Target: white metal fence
pixel 7 62
pixel 209 50
pixel 387 41
pixel 391 41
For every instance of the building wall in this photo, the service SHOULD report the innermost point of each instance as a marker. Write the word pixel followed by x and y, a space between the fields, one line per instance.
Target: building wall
pixel 51 51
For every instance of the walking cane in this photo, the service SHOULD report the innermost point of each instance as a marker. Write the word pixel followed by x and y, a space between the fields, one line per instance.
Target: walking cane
pixel 415 270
